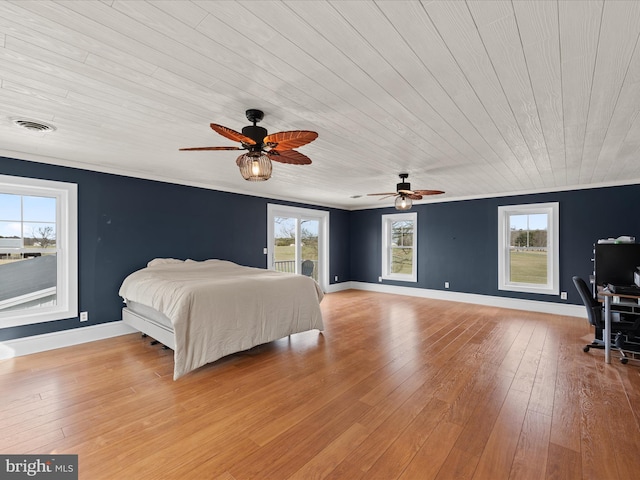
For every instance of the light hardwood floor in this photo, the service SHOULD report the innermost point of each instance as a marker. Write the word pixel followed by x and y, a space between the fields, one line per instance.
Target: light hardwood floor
pixel 395 388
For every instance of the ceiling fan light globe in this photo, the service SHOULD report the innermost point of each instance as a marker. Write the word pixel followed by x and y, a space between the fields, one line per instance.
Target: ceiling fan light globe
pixel 254 167
pixel 403 203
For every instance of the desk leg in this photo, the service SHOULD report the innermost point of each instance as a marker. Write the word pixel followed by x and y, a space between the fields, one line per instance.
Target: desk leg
pixel 606 333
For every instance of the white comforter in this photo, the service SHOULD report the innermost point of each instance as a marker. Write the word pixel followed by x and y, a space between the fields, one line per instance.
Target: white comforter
pixel 218 307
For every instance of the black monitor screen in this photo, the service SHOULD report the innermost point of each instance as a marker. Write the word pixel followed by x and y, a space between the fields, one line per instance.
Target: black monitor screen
pixel 615 264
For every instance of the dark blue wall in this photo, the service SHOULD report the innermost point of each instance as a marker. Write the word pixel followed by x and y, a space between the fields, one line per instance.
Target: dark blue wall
pixel 458 241
pixel 124 222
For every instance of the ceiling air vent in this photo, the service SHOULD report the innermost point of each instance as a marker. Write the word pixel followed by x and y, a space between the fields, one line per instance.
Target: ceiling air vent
pixel 33 125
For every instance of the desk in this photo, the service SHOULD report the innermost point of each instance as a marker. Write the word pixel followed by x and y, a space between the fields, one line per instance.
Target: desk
pixel 606 334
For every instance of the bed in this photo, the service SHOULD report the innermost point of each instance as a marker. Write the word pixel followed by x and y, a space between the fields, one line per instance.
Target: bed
pixel 209 309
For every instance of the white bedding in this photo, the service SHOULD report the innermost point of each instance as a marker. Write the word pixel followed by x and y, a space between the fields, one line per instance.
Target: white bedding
pixel 217 307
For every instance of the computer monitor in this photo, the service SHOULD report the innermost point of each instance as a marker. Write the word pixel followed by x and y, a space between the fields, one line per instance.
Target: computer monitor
pixel 615 263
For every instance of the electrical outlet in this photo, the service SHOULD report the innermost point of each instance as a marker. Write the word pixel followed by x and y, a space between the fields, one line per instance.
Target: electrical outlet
pixel 379 279
pixel 563 295
pixel 265 250
pixel 84 316
pixel 446 284
pixel 335 279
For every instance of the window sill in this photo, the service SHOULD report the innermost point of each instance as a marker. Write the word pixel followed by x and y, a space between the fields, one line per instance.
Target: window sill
pixel 400 279
pixel 529 289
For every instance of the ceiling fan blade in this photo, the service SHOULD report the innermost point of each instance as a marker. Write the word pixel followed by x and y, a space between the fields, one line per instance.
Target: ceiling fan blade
pixel 289 156
pixel 387 194
pixel 212 148
pixel 428 192
pixel 414 196
pixel 287 140
pixel 232 134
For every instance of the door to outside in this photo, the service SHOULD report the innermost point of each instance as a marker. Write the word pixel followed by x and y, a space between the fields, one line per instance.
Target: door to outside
pixel 297 241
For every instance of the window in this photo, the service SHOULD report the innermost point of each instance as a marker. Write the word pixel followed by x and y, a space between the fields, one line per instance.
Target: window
pixel 528 248
pixel 38 251
pixel 400 247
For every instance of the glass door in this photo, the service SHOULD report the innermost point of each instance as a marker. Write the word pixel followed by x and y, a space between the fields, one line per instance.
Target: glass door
pixel 285 244
pixel 297 241
pixel 295 247
pixel 309 229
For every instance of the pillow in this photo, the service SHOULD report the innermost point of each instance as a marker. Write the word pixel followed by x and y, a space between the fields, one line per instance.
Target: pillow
pixel 209 260
pixel 163 261
pixel 217 260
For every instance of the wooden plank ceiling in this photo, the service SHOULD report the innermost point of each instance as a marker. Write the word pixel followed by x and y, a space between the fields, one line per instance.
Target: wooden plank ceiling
pixel 476 98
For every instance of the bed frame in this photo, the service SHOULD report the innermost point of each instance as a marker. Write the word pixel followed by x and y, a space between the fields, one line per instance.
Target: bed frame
pixel 150 327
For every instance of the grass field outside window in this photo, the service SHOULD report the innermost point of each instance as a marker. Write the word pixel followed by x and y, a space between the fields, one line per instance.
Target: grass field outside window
pixel 528 267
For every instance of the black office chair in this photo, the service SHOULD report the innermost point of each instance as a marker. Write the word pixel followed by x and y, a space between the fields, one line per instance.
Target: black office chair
pixel 620 330
pixel 307 268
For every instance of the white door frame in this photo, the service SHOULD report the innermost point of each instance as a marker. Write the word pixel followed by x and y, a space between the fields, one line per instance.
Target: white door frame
pixel 274 210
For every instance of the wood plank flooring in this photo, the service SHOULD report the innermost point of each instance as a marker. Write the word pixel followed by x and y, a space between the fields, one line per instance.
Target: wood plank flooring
pixel 395 388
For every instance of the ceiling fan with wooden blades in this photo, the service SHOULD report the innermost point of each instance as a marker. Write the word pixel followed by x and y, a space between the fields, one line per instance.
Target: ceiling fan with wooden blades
pixel 404 195
pixel 255 165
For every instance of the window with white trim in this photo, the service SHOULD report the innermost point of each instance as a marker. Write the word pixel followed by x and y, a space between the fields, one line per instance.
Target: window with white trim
pixel 38 251
pixel 400 247
pixel 528 248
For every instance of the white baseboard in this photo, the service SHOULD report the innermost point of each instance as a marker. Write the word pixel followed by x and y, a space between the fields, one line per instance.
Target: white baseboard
pixel 338 287
pixel 65 338
pixel 502 302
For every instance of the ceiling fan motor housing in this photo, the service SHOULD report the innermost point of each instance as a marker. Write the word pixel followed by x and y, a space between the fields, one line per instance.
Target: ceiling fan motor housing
pixel 403 186
pixel 255 133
